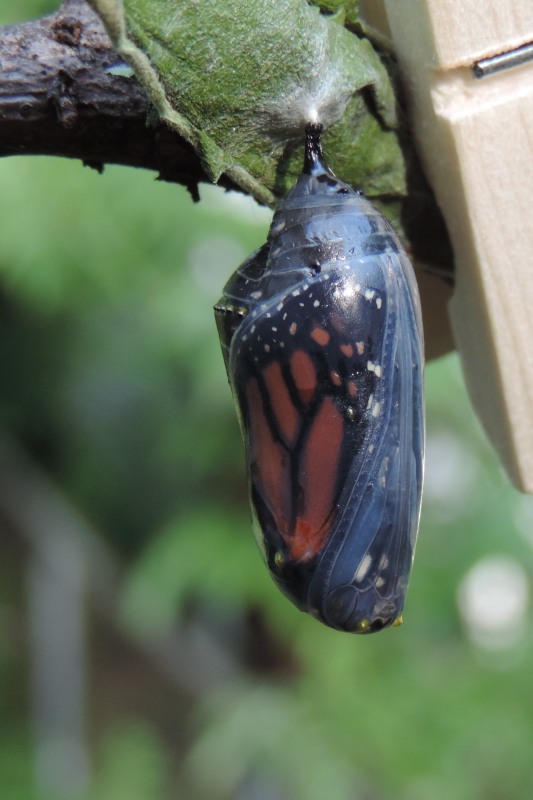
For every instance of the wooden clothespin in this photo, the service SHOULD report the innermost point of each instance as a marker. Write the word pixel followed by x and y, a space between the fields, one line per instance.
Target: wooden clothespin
pixel 468 73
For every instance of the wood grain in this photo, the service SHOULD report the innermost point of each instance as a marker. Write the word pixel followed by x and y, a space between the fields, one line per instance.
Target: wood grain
pixel 475 138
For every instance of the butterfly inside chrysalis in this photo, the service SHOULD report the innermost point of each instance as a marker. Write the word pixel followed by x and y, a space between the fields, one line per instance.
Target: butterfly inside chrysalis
pixel 322 338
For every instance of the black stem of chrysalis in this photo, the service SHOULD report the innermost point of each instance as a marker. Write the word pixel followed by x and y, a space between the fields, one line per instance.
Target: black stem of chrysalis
pixel 313 161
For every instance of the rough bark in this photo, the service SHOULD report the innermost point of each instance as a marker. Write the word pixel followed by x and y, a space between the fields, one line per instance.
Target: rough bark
pixel 58 97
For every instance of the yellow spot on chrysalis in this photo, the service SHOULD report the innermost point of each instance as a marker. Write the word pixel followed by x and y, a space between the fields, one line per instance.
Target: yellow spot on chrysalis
pixel 397 622
pixel 279 560
pixel 363 625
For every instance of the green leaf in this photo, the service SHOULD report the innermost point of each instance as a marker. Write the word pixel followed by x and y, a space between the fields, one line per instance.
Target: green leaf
pixel 239 80
pixel 347 9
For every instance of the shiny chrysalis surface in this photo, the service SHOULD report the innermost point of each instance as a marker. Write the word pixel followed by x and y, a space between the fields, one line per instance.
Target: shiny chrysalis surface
pixel 322 338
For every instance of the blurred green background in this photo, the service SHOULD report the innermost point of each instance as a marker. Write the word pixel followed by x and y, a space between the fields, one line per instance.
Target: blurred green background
pixel 145 653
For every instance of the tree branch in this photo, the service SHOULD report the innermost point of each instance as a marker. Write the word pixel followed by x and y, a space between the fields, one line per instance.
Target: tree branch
pixel 58 97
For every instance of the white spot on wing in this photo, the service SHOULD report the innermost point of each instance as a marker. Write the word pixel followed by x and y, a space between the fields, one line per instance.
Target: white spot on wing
pixel 363 567
pixel 383 562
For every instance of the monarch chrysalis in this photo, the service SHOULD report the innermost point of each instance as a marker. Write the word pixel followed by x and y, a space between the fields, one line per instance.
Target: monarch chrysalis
pixel 322 338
